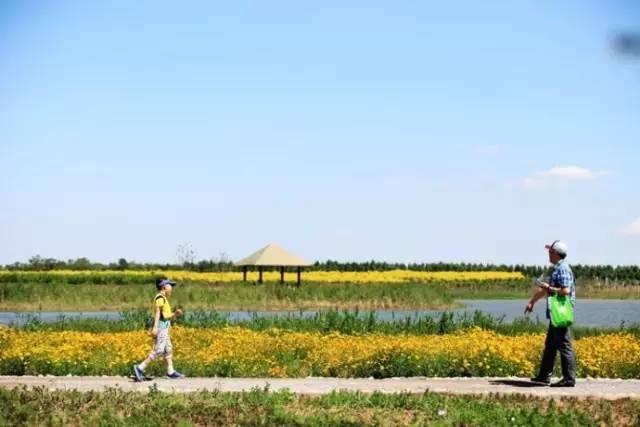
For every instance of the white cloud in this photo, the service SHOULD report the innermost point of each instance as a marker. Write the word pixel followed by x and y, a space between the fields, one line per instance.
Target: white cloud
pixel 633 229
pixel 560 174
pixel 569 172
pixel 488 149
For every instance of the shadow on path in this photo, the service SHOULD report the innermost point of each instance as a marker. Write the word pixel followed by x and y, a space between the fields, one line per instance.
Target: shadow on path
pixel 517 383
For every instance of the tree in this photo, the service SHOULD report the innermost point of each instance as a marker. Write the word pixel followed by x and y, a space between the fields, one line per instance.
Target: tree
pixel 80 264
pixel 186 255
pixel 36 262
pixel 224 262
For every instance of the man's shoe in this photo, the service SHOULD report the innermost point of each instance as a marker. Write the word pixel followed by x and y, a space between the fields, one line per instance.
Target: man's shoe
pixel 139 373
pixel 175 375
pixel 564 383
pixel 546 381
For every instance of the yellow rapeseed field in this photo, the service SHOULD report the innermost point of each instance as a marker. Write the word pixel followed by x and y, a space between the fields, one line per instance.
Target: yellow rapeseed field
pixel 235 351
pixel 393 276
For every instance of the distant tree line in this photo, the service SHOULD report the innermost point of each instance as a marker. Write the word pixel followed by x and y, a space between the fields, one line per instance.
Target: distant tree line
pixel 38 263
pixel 591 272
pixel 223 264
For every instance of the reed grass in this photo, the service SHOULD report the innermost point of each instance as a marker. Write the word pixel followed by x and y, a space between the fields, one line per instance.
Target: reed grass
pixel 115 407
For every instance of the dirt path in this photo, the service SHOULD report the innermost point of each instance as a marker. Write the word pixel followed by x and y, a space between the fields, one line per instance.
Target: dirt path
pixel 600 388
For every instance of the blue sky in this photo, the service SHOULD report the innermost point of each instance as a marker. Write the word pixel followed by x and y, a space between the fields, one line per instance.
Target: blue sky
pixel 398 131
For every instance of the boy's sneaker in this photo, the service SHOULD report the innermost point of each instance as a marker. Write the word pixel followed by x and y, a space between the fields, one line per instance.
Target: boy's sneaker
pixel 138 372
pixel 175 375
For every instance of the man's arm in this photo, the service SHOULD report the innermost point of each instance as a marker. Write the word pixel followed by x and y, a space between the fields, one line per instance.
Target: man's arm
pixel 563 279
pixel 538 294
pixel 560 290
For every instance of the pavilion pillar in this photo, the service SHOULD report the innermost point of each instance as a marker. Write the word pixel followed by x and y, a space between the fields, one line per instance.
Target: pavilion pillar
pixel 244 273
pixel 298 282
pixel 260 275
pixel 281 275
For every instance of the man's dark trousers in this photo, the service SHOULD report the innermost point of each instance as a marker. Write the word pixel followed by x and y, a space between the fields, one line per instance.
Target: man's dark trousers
pixel 558 340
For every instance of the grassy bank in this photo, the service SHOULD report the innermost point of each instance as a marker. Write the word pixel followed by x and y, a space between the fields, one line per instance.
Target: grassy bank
pixel 260 407
pixel 18 296
pixel 231 296
pixel 326 322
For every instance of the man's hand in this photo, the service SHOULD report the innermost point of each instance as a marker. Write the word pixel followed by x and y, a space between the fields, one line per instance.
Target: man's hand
pixel 154 332
pixel 178 312
pixel 540 292
pixel 529 308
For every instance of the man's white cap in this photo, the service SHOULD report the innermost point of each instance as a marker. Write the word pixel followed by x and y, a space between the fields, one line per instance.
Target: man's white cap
pixel 558 246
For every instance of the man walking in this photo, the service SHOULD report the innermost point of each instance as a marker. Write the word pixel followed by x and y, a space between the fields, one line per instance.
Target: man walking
pixel 561 282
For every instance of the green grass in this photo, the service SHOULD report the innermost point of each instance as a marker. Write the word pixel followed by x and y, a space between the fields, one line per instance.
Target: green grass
pixel 522 289
pixel 232 296
pixel 260 407
pixel 56 296
pixel 326 322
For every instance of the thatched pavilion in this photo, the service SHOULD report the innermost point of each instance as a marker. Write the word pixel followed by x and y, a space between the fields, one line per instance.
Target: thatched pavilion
pixel 271 256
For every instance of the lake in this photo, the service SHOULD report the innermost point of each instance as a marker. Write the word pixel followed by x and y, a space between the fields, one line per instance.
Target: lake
pixel 592 312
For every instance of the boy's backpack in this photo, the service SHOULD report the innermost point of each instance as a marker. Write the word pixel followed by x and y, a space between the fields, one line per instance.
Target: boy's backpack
pixel 152 317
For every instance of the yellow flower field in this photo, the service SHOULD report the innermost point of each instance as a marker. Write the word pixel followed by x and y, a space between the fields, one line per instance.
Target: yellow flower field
pixel 393 276
pixel 235 351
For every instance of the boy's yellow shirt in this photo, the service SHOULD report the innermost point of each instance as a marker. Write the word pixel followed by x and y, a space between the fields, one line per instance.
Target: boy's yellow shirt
pixel 162 302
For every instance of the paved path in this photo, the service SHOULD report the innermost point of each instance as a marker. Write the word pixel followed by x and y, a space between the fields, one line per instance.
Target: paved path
pixel 601 388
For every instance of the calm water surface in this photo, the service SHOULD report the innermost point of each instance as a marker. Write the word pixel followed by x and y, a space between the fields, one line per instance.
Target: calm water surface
pixel 603 313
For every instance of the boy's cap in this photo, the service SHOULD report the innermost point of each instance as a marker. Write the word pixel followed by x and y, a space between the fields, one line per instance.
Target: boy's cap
pixel 558 246
pixel 166 282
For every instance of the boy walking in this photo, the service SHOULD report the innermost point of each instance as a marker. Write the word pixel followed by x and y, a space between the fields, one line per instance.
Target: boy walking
pixel 162 316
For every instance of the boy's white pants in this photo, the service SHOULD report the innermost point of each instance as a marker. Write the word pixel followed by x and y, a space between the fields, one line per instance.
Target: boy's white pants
pixel 162 346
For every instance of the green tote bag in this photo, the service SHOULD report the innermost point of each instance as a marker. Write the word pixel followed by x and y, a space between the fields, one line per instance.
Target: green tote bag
pixel 561 311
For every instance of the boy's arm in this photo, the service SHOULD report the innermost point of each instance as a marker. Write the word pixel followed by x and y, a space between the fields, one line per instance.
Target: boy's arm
pixel 176 313
pixel 156 320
